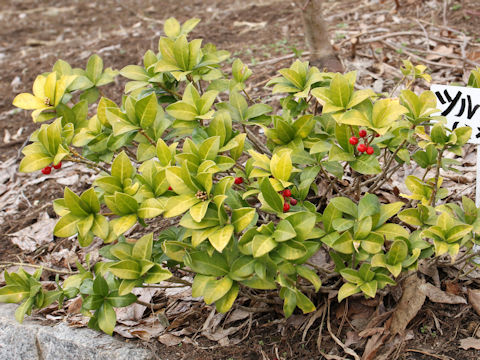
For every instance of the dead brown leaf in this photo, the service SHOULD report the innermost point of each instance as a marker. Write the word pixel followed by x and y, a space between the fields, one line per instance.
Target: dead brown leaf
pixel 470 343
pixel 438 296
pixel 441 51
pixel 474 299
pixel 35 235
pixel 410 303
pixel 169 339
pixel 453 288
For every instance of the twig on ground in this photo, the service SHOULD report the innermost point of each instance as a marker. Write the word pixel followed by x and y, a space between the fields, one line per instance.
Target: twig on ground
pixel 345 348
pixel 4 264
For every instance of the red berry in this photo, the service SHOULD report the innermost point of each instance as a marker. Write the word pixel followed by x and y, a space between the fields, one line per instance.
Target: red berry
pixel 170 188
pixel 362 148
pixel 286 207
pixel 362 133
pixel 238 180
pixel 370 150
pixel 287 193
pixel 293 201
pixel 353 140
pixel 377 135
pixel 58 166
pixel 47 170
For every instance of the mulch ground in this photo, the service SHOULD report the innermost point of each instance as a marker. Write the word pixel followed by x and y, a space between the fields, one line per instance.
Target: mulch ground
pixel 265 34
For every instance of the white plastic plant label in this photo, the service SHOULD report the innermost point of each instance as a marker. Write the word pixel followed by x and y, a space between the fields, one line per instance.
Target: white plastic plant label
pixel 461 107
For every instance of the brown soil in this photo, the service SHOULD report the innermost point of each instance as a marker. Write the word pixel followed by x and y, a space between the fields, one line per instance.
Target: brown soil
pixel 34 34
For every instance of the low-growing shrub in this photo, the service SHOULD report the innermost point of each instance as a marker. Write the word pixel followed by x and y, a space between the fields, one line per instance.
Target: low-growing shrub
pixel 256 193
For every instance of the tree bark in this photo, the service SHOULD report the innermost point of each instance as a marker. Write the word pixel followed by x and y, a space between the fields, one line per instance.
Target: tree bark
pixel 316 36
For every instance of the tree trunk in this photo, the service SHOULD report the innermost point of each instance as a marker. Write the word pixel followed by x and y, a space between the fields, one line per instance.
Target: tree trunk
pixel 316 36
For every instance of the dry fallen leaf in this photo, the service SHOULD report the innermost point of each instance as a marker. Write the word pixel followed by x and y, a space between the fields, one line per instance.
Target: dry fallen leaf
pixel 169 339
pixel 474 299
pixel 470 343
pixel 441 51
pixel 35 235
pixel 438 296
pixel 410 303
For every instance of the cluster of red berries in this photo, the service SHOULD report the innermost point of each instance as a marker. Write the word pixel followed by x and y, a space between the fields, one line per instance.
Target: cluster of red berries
pixel 362 148
pixel 48 169
pixel 287 194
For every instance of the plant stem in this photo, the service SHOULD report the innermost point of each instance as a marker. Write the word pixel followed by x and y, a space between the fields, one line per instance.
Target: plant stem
pixel 80 159
pixel 396 86
pixel 171 92
pixel 248 96
pixel 150 306
pixel 177 280
pixel 150 140
pixel 335 188
pixel 374 187
pixel 437 176
pixel 258 145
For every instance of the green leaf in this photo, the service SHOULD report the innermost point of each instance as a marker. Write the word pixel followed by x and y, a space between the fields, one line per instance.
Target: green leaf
pixel 94 68
pixel 345 205
pixel 199 210
pixel 100 286
pixel 202 263
pixel 292 250
pixel 134 72
pixel 199 284
pixel 29 102
pixel 13 294
pixel 76 205
pixel 242 217
pixel 23 309
pixel 391 231
pixel 106 318
pixel 226 302
pixel 262 244
pixel 281 165
pixel 284 231
pixel 304 303
pixel 411 217
pixel 123 223
pixel 156 274
pixel 289 302
pixel 122 168
pixel 34 162
pixel 177 205
pixel 120 301
pixel 369 205
pixel 182 111
pixel 373 243
pixel 347 290
pixel 90 198
pixel 272 198
pixel 143 247
pixel 220 238
pixel 309 275
pixel 146 110
pixel 242 268
pixel 66 226
pixel 216 289
pixel 150 208
pixel 397 253
pixel 387 211
pixel 125 269
pixel 367 165
pixel 369 288
pixel 124 204
pixel 344 244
